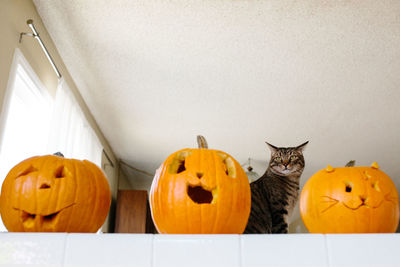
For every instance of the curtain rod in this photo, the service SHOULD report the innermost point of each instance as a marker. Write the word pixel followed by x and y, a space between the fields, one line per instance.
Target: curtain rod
pixel 35 35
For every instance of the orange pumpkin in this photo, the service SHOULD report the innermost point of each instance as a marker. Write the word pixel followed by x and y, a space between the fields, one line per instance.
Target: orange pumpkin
pixel 200 191
pixel 54 194
pixel 350 200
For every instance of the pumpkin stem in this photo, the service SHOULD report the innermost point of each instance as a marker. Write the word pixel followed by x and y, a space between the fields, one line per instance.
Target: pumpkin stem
pixel 351 163
pixel 58 154
pixel 201 141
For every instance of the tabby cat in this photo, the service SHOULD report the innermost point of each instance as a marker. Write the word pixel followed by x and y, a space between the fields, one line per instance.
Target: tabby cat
pixel 275 193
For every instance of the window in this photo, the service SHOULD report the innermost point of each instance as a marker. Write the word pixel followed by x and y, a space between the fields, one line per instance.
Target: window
pixel 25 118
pixel 32 123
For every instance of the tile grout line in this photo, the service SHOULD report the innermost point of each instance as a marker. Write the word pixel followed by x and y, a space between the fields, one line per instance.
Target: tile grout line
pixel 152 258
pixel 65 250
pixel 240 251
pixel 328 259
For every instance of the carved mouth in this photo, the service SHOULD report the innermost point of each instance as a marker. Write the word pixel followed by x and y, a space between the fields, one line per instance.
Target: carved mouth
pixel 200 195
pixel 28 219
pixel 362 205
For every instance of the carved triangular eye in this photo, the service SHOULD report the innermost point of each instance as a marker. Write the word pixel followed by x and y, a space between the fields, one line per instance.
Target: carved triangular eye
pixel 229 164
pixel 60 172
pixel 27 171
pixel 178 163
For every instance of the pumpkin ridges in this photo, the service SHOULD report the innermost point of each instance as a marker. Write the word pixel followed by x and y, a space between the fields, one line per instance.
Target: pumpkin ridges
pixel 72 211
pixel 179 219
pixel 218 185
pixel 80 210
pixel 21 227
pixel 55 201
pixel 106 199
pixel 100 198
pixel 200 162
pixel 77 200
pixel 58 194
pixel 92 213
pixel 171 198
pixel 50 199
pixel 152 197
pixel 365 219
pixel 86 213
pixel 157 199
pixel 35 203
pixel 199 218
pixel 223 192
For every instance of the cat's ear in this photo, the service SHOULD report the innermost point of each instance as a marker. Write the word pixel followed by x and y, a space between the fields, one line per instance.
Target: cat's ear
pixel 272 147
pixel 302 147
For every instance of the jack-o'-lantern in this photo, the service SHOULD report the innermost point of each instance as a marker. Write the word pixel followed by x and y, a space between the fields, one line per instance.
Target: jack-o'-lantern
pixel 200 191
pixel 54 194
pixel 350 200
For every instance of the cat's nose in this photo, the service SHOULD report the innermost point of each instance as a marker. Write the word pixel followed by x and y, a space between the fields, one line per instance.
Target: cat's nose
pixel 363 198
pixel 199 174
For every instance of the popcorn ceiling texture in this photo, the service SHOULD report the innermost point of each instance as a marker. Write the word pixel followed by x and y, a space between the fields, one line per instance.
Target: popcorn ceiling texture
pixel 157 73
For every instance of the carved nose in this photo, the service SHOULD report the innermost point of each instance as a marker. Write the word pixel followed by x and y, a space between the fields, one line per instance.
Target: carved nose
pixel 363 198
pixel 199 174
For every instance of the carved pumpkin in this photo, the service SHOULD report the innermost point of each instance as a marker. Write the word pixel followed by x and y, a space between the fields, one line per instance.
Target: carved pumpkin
pixel 54 194
pixel 350 200
pixel 200 191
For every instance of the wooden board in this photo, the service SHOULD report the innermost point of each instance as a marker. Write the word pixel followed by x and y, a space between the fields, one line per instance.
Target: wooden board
pixel 133 212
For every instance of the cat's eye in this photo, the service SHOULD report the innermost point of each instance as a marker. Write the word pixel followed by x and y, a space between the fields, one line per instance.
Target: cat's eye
pixel 375 186
pixel 278 159
pixel 293 157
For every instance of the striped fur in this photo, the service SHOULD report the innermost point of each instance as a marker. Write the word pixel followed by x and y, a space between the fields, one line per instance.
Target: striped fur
pixel 274 195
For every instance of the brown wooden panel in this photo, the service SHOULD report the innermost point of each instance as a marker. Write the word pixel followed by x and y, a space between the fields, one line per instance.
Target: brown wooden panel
pixel 133 212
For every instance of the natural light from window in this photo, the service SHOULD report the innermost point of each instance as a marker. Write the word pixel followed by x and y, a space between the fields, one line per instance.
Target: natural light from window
pixel 25 120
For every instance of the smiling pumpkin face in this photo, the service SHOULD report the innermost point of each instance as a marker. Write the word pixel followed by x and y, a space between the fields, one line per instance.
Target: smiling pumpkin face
pixel 199 191
pixel 54 194
pixel 350 200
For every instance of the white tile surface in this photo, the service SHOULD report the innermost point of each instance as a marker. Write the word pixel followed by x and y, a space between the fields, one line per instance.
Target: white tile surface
pixel 41 249
pixel 283 250
pixel 377 250
pixel 196 251
pixel 108 250
pixel 33 249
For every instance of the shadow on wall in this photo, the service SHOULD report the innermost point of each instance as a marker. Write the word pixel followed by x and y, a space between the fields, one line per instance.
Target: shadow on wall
pixel 297 226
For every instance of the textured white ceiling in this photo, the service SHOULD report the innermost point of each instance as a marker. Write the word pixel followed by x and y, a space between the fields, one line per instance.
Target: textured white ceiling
pixel 157 73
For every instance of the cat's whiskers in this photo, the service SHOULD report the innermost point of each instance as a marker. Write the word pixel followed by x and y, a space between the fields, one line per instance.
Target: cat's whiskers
pixel 329 199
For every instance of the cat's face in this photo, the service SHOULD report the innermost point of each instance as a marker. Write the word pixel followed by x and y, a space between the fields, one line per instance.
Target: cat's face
pixel 287 160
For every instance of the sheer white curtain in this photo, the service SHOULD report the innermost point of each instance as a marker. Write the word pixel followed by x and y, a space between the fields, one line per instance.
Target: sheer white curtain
pixel 70 132
pixel 31 123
